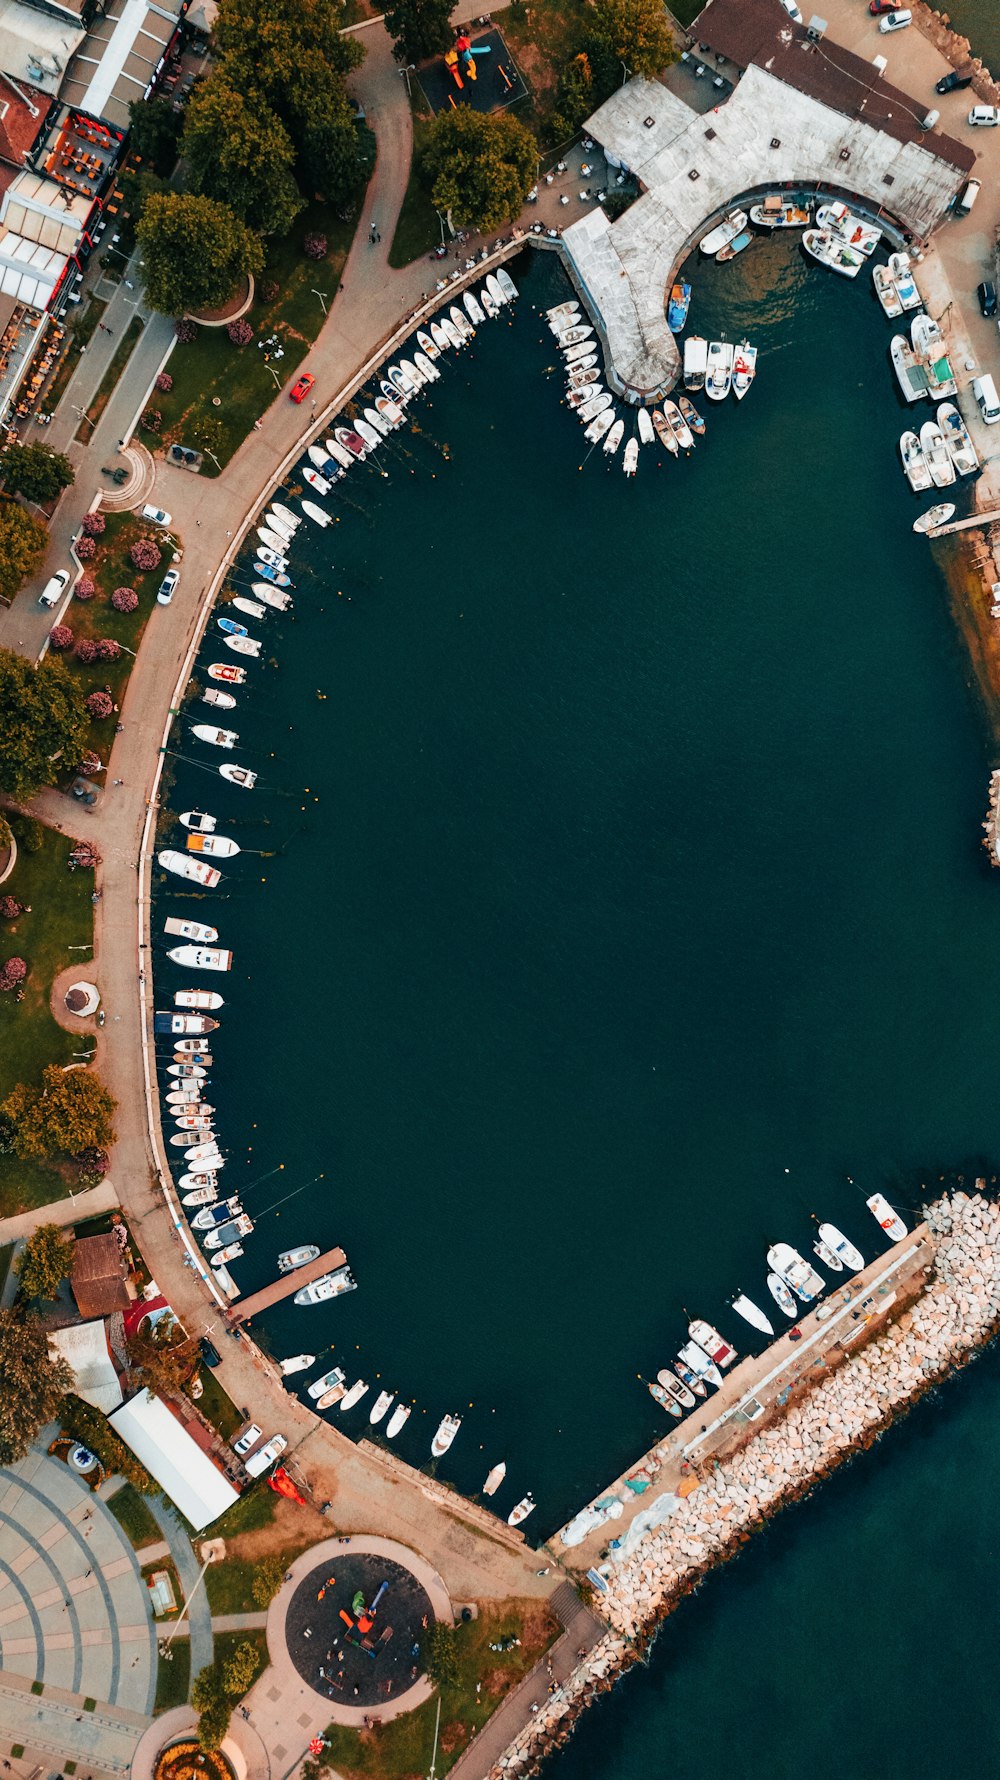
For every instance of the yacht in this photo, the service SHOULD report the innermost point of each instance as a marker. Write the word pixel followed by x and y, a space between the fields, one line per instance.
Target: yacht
pixel 201 957
pixel 795 1270
pixel 397 1420
pixel 319 1385
pixel 329 1285
pixel 447 1429
pixel 193 930
pixel 380 1406
pixel 184 867
pixel 495 1479
pixel 835 1239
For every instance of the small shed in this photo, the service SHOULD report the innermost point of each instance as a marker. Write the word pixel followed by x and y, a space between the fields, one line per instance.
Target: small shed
pixel 99 1276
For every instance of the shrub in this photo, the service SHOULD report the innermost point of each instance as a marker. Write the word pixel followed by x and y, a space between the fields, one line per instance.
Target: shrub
pixel 124 599
pixel 164 381
pixel 100 704
pixel 240 332
pixel 60 637
pixel 314 247
pixel 89 1426
pixel 12 973
pixel 266 1582
pixel 10 908
pixel 30 834
pixel 144 555
pixel 85 588
pixel 185 331
pixel 86 651
pixel 439 1653
pixel 152 420
pixel 270 290
pixel 85 549
pixel 93 1159
pixel 93 524
pixel 108 649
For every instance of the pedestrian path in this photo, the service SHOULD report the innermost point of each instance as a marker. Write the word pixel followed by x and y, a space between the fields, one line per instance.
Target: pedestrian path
pixel 71 1210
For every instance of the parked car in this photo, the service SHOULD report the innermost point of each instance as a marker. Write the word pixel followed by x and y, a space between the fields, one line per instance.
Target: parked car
pixel 953 82
pixel 987 294
pixel 986 116
pixel 300 390
pixel 248 1439
pixel 53 588
pixel 165 592
pixel 793 11
pixel 209 1352
pixel 875 7
pixel 896 21
pixel 155 515
pixel 266 1455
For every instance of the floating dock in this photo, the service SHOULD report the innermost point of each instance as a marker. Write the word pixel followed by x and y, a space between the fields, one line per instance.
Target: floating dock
pixel 245 1308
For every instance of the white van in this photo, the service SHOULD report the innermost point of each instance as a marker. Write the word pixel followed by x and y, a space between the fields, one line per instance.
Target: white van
pixel 967 197
pixel 987 401
pixel 53 588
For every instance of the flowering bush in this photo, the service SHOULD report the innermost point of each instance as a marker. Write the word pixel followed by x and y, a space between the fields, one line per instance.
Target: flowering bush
pixel 13 972
pixel 85 588
pixel 152 420
pixel 314 247
pixel 124 599
pixel 86 651
pixel 10 908
pixel 240 332
pixel 60 637
pixel 144 555
pixel 91 764
pixel 93 524
pixel 85 548
pixel 164 381
pixel 100 704
pixel 185 331
pixel 270 290
pixel 108 649
pixel 94 1159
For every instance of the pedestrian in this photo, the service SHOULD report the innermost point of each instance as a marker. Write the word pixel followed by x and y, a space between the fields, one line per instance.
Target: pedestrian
pixel 197 522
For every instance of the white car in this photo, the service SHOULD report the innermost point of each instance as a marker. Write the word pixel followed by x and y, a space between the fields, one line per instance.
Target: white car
pixel 167 585
pixel 53 588
pixel 793 11
pixel 896 21
pixel 157 516
pixel 988 116
pixel 250 1438
pixel 266 1455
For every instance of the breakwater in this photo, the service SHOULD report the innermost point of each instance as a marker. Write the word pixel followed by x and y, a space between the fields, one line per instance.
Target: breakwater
pixel 936 1327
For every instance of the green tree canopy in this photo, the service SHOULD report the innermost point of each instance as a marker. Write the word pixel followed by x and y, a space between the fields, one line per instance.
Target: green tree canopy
pixel 420 28
pixel 22 546
pixel 43 719
pixel 239 152
pixel 71 1110
pixel 154 134
pixel 195 252
pixel 93 1430
pixel 32 1383
pixel 633 32
pixel 440 1654
pixel 35 471
pixel 161 1359
pixel 239 1672
pixel 44 1262
pixel 209 1696
pixel 481 168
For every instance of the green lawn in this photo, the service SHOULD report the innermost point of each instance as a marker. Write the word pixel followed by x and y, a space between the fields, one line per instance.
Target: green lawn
pixel 254 1509
pixel 80 334
pixel 544 38
pixel 96 617
pixel 173 1677
pixel 228 1585
pixel 59 915
pixel 211 366
pixel 122 354
pixel 418 229
pixel 134 1517
pixel 219 1409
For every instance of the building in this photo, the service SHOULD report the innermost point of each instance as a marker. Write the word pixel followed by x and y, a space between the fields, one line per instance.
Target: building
pixel 84 1347
pixel 124 51
pixel 188 1475
pixel 100 1275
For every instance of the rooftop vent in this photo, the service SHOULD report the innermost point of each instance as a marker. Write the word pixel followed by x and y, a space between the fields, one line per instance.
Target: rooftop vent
pixel 888 179
pixel 694 174
pixel 845 154
pixel 775 141
pixel 710 135
pixel 816 28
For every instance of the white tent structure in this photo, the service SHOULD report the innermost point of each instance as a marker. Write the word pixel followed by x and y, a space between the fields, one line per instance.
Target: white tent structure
pixel 187 1475
pixel 84 1347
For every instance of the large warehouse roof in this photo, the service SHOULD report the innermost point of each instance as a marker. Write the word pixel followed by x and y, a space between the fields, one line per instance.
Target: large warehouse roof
pixel 188 1475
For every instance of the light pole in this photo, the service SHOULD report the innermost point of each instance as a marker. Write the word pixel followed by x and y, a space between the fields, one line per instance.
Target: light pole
pixel 274 374
pixel 404 74
pixel 82 412
pixel 626 75
pixel 322 297
pixel 213 457
pixel 441 221
pixel 165 1643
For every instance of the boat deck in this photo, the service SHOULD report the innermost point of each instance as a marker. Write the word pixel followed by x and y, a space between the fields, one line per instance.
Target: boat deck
pixel 245 1308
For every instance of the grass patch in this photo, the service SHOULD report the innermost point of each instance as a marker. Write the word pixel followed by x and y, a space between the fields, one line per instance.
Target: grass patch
pixel 96 617
pixel 225 1643
pixel 418 230
pixel 134 1517
pixel 122 354
pixel 173 1677
pixel 229 1585
pixel 254 1509
pixel 221 1411
pixel 81 332
pixel 685 11
pixel 213 366
pixel 544 38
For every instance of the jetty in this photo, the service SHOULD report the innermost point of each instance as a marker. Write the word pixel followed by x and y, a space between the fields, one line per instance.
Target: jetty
pixel 244 1308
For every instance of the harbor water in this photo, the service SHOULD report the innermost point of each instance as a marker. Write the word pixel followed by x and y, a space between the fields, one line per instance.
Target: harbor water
pixel 611 900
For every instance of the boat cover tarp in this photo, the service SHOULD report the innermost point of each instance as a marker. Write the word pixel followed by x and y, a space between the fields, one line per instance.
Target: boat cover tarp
pixel 659 1510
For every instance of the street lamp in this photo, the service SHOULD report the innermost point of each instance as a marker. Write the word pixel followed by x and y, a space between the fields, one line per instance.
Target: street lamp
pixel 404 74
pixel 322 297
pixel 626 74
pixel 82 412
pixel 211 454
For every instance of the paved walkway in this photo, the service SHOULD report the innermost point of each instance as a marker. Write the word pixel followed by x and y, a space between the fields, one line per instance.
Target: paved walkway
pixel 199 1614
pixel 72 1210
pixel 56 1728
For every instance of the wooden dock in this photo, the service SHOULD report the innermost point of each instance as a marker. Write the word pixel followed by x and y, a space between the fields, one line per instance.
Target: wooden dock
pixel 244 1308
pixel 963 525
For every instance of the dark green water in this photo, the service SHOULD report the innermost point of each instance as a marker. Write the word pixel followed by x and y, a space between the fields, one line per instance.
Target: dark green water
pixel 635 903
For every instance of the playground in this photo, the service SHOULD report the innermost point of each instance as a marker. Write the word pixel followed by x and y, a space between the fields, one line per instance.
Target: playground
pixel 354 1627
pixel 478 71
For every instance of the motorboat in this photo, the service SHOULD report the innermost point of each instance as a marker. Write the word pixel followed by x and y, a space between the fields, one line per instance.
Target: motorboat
pixel 614 438
pixel 583 354
pixel 198 1179
pixel 494 1479
pixel 377 422
pixel 886 292
pixel 206 998
pixel 929 349
pixel 390 410
pixel 885 1216
pixel 583 376
pixel 351 441
pixel 194 1121
pixel 287 528
pixel 273 558
pixel 665 433
pixel 936 454
pixel 738 244
pixel 716 1348
pixel 678 304
pixel 777 212
pixel 198 822
pixel 219 738
pixel 690 414
pixel 496 289
pixel 252 608
pixel 461 324
pixel 645 424
pixel 719 379
pixel 833 251
pixel 910 374
pixel 782 1296
pixel 915 469
pixel 183 866
pixel 339 452
pixel 195 930
pixel 224 1280
pixel 700 1364
pixel 724 232
pixel 223 1256
pixel 597 428
pixel 935 516
pixel 335 1394
pixel 573 336
pixel 828 1256
pixel 409 369
pixel 286 515
pixel 835 1239
pixel 297 1363
pixel 926 336
pixel 372 435
pixel 268 572
pixel 695 362
pixel 231 1232
pixel 244 645
pixel 795 1270
pixel 319 1385
pixel 187 1072
pixel 594 406
pixel 524 1507
pixel 380 1406
pixel 275 597
pixel 678 426
pixel 239 775
pixel 675 1388
pixel 194 1151
pixel 199 1196
pixel 201 957
pixel 561 309
pixel 316 514
pixel 222 701
pixel 902 276
pixel 277 541
pixel 661 1396
pixel 214 1215
pixel 835 217
pixel 508 288
pixel 454 336
pixel 744 369
pixel 447 1429
pixel 353 1396
pixel 578 398
pixel 630 457
pixel 752 1314
pixel 231 627
pixel 397 1420
pixel 185 1095
pixel 403 386
pixel 329 1285
pixel 290 1258
pixel 189 1047
pixel 689 1377
pixel 566 316
pixel 427 343
pixel 316 480
pixel 472 309
pixel 228 672
pixel 958 439
pixel 439 337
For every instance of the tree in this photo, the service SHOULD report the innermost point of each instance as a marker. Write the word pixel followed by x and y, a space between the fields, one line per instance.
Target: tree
pixel 481 168
pixel 22 546
pixel 32 1383
pixel 240 1671
pixel 196 251
pixel 35 471
pixel 70 1111
pixel 43 723
pixel 154 133
pixel 44 1262
pixel 439 1653
pixel 633 32
pixel 238 151
pixel 210 1698
pixel 160 1358
pixel 94 1431
pixel 420 28
pixel 266 1581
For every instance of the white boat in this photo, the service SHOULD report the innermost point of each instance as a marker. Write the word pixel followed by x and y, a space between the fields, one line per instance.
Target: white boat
pixel 219 738
pixel 201 957
pixel 439 337
pixel 354 1395
pixel 701 1365
pixel 664 1398
pixel 665 433
pixel 276 541
pixel 286 528
pixel 961 450
pixel 275 597
pixel 688 1377
pixel 447 1429
pixel 297 1363
pixel 678 426
pixel 724 232
pixel 335 1394
pixel 403 385
pixel 472 309
pixel 494 1479
pixel 496 289
pixel 187 1072
pixel 290 1258
pixel 268 572
pixel 409 369
pixel 778 212
pixel 461 323
pixel 630 457
pixel 227 671
pixel 198 823
pixel 902 276
pixel 614 437
pixel 184 867
pixel 716 1348
pixel 196 930
pixel 189 1047
pixel 719 379
pixel 319 457
pixel 239 775
pixel 508 289
pixel 214 846
pixel 926 336
pixel 936 454
pixel 329 1285
pixel 427 343
pixel 644 422
pixel 192 1121
pixel 795 1270
pixel 390 410
pixel 782 1296
pixel 832 251
pixel 223 1256
pixel 852 1257
pixel 454 337
pixel 397 1420
pixel 340 453
pixel 199 1196
pixel 695 361
pixel 595 405
pixel 828 1256
pixel 569 317
pixel 225 1281
pixel 380 1406
pixel 886 292
pixel 316 514
pixel 752 1314
pixel 209 998
pixel 243 645
pixel 272 558
pixel 910 374
pixel 915 469
pixel 200 1179
pixel 524 1507
pixel 935 516
pixel 744 369
pixel 577 355
pixel 377 422
pixel 222 701
pixel 216 1214
pixel 489 307
pixel 231 1231
pixel 597 428
pixel 371 435
pixel 562 309
pixel 885 1216
pixel 585 370
pixel 319 1385
pixel 573 336
pixel 316 481
pixel 193 1151
pixel 285 514
pixel 578 398
pixel 863 237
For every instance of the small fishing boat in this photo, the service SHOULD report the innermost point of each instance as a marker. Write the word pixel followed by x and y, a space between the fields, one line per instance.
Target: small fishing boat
pixel 275 597
pixel 691 1379
pixel 216 846
pixel 239 775
pixel 724 232
pixel 194 869
pixel 336 1394
pixel 614 437
pixel 577 398
pixel 496 289
pixel 956 434
pixel 695 362
pixel 665 433
pixel 402 384
pixel 319 1385
pixel 472 309
pixel 377 422
pixel 795 1270
pixel 701 1365
pixel 231 627
pixel 524 1507
pixel 199 823
pixel 560 324
pixel 936 455
pixel 645 424
pixel 678 426
pixel 678 304
pixel 228 672
pixel 719 379
pixel 192 1121
pixel 329 1285
pixel 380 1406
pixel 597 428
pixel 273 539
pixel 835 1239
pixel 186 1096
pixel 934 517
pixel 573 336
pixel 269 573
pixel 204 998
pixel 738 244
pixel 782 1296
pixel 593 406
pixel 290 1258
pixel 194 1072
pixel 674 1388
pixel 828 1256
pixel 835 217
pixel 426 343
pixel 718 1350
pixel 297 1363
pixel 579 354
pixel 372 436
pixel 231 1252
pixel 454 336
pixel 285 514
pixel 285 531
pixel 243 646
pixel 508 288
pixel 777 212
pixel 583 376
pixel 273 559
pixel 216 1214
pixel 885 1216
pixel 461 323
pixel 630 457
pixel 832 251
pixel 252 608
pixel 439 337
pixel 410 371
pixel 390 411
pixel 494 1479
pixel 660 1395
pixel 351 441
pixel 570 307
pixel 316 514
pixel 339 452
pixel 906 289
pixel 397 1420
pixel 219 738
pixel 744 369
pixel 447 1429
pixel 752 1314
pixel 194 1151
pixel 200 1196
pixel 222 701
pixel 225 1281
pixel 316 481
pixel 353 1396
pixel 197 1180
pixel 886 292
pixel 190 1046
pixel 915 469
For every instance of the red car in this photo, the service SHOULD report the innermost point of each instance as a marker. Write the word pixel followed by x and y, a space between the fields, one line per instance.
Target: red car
pixel 875 7
pixel 300 390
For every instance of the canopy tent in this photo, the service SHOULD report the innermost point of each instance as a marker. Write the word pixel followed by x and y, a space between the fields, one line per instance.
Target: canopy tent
pixel 84 1347
pixel 188 1476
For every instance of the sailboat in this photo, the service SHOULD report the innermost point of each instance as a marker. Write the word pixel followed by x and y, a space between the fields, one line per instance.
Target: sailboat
pixel 495 1479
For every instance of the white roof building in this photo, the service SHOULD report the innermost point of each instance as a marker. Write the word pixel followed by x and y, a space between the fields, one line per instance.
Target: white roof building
pixel 84 1347
pixel 187 1475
